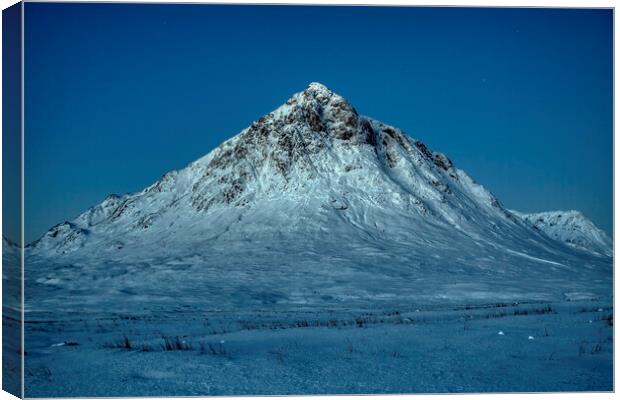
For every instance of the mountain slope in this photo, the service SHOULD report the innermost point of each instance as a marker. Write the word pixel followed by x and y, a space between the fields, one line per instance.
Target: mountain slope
pixel 308 205
pixel 9 245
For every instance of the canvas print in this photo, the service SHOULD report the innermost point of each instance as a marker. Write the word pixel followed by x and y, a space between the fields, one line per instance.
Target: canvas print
pixel 304 200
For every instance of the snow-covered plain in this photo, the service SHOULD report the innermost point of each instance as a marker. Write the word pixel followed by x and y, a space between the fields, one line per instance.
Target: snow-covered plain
pixel 318 251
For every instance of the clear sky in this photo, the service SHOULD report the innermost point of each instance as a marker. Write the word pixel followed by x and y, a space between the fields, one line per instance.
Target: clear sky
pixel 119 94
pixel 11 122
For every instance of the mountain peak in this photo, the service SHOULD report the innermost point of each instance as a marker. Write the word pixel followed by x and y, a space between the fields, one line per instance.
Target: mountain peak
pixel 322 111
pixel 318 88
pixel 320 93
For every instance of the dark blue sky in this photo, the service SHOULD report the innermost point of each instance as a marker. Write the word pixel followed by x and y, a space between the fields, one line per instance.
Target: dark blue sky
pixel 118 94
pixel 11 122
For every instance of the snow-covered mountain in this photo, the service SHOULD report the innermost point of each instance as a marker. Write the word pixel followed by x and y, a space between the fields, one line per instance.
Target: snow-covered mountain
pixel 572 228
pixel 11 276
pixel 320 188
pixel 8 244
pixel 10 253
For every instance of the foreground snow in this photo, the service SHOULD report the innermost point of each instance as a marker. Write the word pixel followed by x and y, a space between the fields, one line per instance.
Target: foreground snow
pixel 422 350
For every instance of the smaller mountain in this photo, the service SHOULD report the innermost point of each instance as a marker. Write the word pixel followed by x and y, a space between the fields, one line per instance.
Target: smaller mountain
pixel 572 228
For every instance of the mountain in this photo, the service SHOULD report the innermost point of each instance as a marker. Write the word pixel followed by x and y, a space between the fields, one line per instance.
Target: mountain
pixel 10 253
pixel 9 244
pixel 11 277
pixel 572 228
pixel 306 206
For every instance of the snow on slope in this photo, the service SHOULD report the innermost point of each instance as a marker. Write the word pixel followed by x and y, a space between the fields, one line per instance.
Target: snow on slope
pixel 572 228
pixel 8 245
pixel 11 278
pixel 306 206
pixel 10 258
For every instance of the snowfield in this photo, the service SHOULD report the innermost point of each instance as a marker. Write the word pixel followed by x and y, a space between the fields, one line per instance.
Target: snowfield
pixel 318 251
